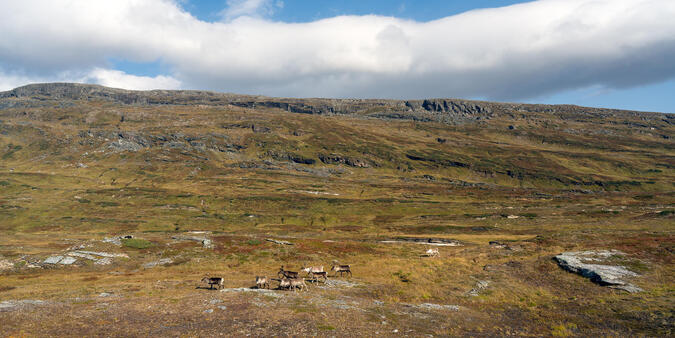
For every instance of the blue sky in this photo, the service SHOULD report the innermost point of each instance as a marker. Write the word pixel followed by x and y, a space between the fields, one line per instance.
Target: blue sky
pixel 311 10
pixel 604 53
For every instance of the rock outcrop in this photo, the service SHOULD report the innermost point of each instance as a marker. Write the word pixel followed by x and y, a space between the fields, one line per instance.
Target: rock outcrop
pixel 586 263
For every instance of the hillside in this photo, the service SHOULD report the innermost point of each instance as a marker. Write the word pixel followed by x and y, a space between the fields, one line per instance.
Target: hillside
pixel 336 177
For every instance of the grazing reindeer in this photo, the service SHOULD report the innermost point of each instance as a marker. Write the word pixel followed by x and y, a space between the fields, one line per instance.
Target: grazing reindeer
pixel 286 273
pixel 433 253
pixel 262 282
pixel 312 269
pixel 342 269
pixel 322 274
pixel 218 281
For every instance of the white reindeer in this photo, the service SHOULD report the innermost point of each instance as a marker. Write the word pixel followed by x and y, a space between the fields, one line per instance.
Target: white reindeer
pixel 262 282
pixel 433 253
pixel 312 269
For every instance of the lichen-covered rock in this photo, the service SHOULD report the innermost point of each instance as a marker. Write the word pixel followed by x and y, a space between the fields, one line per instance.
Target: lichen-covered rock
pixel 586 263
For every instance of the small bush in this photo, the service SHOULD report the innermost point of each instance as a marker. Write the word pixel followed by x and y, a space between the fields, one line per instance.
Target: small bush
pixel 4 183
pixel 529 215
pixel 403 276
pixel 136 243
pixel 253 242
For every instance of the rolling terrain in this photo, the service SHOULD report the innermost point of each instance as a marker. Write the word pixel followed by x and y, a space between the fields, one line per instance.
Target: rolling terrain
pixel 507 186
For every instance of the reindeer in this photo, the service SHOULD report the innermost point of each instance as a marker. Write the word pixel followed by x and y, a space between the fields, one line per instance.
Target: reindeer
pixel 432 253
pixel 286 273
pixel 342 269
pixel 262 282
pixel 298 284
pixel 322 274
pixel 312 269
pixel 284 283
pixel 213 281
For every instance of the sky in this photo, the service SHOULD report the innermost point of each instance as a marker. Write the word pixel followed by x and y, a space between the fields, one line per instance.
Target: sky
pixel 602 53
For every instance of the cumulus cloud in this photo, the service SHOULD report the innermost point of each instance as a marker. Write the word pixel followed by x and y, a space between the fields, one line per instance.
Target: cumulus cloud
pixel 508 53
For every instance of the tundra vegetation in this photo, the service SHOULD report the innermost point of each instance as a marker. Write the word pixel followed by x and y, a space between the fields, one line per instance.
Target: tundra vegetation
pixel 202 181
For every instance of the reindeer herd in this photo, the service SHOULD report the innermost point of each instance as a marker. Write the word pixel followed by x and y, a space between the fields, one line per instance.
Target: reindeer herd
pixel 289 280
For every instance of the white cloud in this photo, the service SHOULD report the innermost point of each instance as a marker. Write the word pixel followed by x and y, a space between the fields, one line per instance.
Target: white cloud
pixel 514 52
pixel 106 77
pixel 119 79
pixel 250 8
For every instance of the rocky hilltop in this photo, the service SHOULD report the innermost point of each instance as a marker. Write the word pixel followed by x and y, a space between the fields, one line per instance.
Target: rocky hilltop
pixel 437 110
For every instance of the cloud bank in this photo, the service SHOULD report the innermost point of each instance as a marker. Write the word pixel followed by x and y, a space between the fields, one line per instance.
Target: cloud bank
pixel 509 53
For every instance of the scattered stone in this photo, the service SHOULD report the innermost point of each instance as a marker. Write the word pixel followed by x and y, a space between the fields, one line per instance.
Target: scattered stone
pixel 11 305
pixel 206 243
pixel 208 311
pixel 124 145
pixel 53 260
pixel 431 306
pixel 264 291
pixel 583 263
pixel 512 216
pixel 68 260
pixel 498 245
pixel 222 307
pixel 162 261
pixel 5 265
pixel 114 240
pixel 105 294
pixel 60 260
pixel 77 247
pixel 104 261
pixel 103 254
pixel 278 242
pixel 215 301
pixel 82 255
pixel 480 285
pixel 338 283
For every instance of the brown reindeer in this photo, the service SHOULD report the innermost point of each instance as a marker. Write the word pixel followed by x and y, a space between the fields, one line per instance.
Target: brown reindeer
pixel 322 274
pixel 218 281
pixel 287 274
pixel 342 269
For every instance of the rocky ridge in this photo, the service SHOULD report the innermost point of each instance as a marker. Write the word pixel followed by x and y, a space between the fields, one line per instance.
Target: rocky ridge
pixel 438 110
